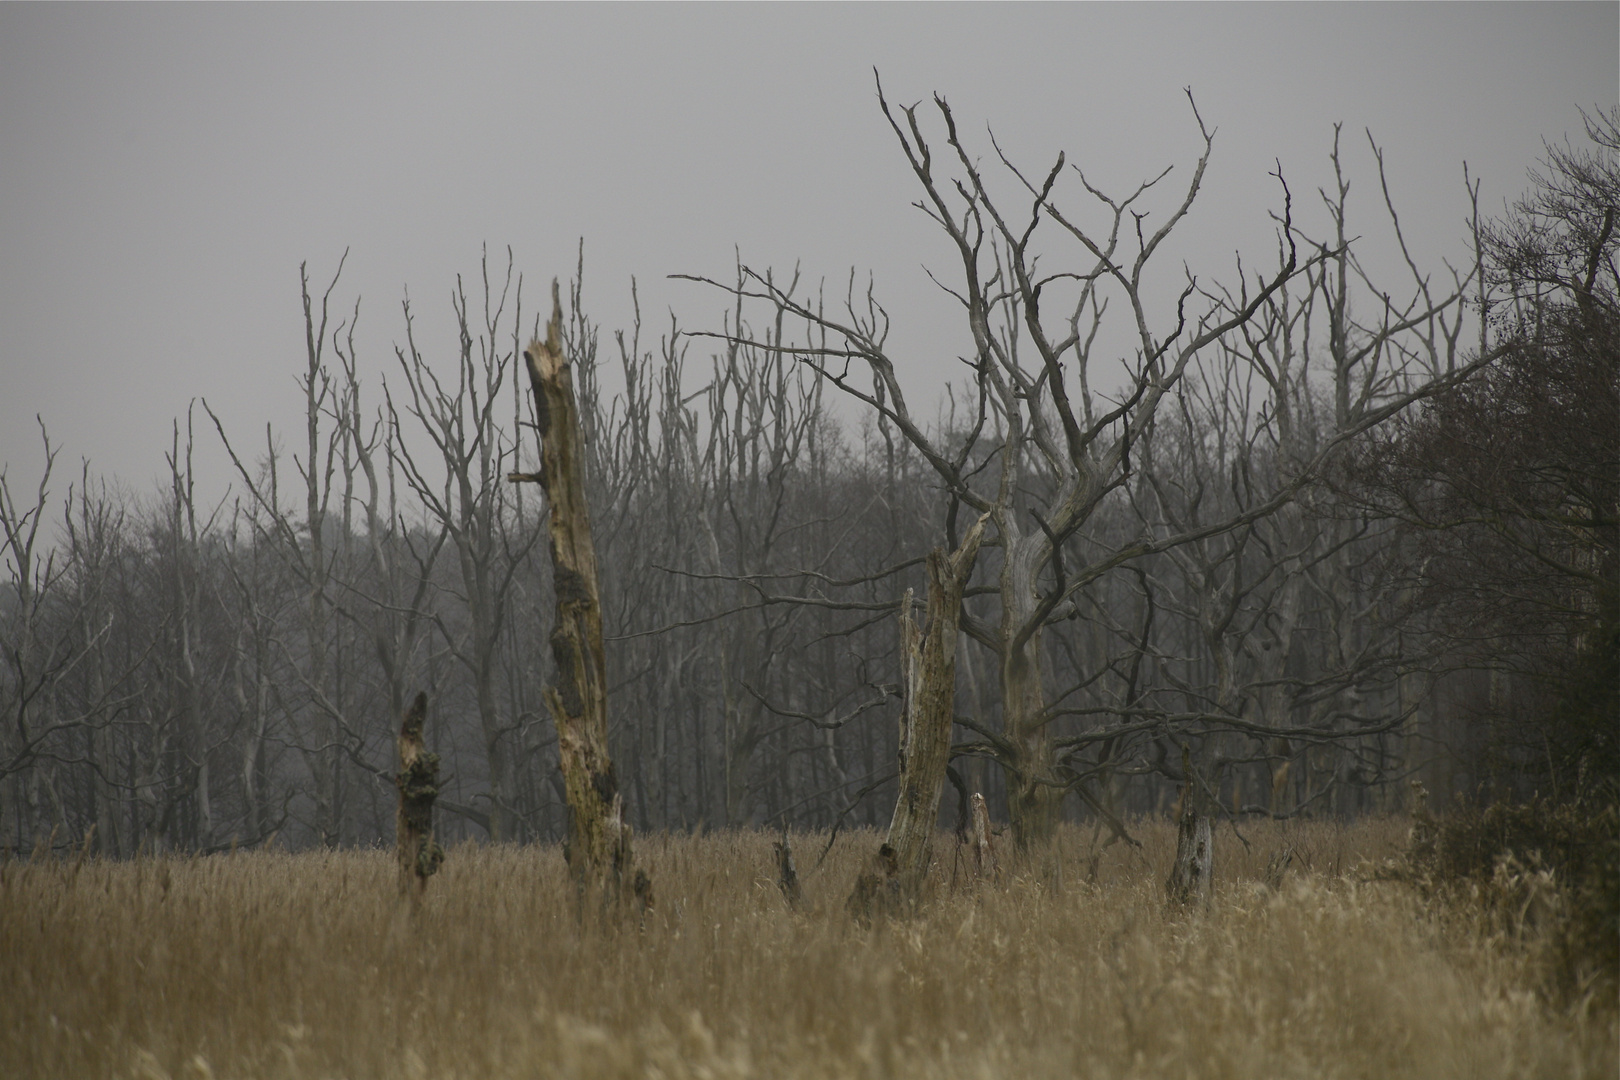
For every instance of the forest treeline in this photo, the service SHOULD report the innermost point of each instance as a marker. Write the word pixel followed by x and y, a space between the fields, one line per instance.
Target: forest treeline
pixel 1327 536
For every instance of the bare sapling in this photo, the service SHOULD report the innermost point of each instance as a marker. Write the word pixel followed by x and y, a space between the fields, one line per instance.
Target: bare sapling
pixel 598 850
pixel 418 782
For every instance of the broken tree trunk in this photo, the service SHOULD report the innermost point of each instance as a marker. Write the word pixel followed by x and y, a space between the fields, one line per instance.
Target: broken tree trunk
pixel 418 782
pixel 979 841
pixel 1277 866
pixel 1190 877
pixel 787 875
pixel 877 892
pixel 928 680
pixel 598 839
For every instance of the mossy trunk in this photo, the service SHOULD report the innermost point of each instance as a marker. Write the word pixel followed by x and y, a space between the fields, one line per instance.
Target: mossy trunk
pixel 418 782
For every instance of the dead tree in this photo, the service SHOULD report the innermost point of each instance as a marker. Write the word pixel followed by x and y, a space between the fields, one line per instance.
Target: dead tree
pixel 30 653
pixel 1193 870
pixel 983 848
pixel 928 669
pixel 459 488
pixel 787 874
pixel 418 781
pixel 1064 451
pixel 321 729
pixel 1061 449
pixel 1286 671
pixel 877 889
pixel 598 838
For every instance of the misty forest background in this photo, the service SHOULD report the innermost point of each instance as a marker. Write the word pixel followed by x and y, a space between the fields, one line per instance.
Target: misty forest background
pixel 1309 605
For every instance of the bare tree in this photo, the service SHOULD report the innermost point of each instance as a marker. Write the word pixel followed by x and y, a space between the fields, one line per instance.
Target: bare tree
pixel 1274 646
pixel 1062 450
pixel 188 677
pixel 316 713
pixel 1506 489
pixel 94 524
pixel 35 655
pixel 463 494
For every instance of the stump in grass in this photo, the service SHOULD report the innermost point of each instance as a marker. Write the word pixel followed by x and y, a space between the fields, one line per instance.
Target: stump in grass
pixel 928 682
pixel 878 891
pixel 1277 866
pixel 1420 844
pixel 983 850
pixel 418 782
pixel 1190 877
pixel 787 875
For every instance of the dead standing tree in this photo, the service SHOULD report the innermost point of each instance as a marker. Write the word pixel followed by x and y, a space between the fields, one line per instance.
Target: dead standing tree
pixel 1193 870
pixel 894 875
pixel 1276 648
pixel 33 655
pixel 418 780
pixel 1061 449
pixel 598 839
pixel 928 679
pixel 321 728
pixel 459 487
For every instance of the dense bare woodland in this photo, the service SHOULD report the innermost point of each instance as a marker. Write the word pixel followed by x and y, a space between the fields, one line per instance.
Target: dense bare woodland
pixel 1297 585
pixel 1291 549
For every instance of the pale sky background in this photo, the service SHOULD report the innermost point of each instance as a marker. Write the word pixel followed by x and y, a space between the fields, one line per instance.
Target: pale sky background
pixel 165 169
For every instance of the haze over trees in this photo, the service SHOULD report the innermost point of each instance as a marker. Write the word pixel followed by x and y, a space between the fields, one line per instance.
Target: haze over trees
pixel 1326 533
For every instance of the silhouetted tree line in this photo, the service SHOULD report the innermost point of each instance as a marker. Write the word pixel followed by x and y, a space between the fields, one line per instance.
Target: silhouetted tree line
pixel 1320 540
pixel 1505 496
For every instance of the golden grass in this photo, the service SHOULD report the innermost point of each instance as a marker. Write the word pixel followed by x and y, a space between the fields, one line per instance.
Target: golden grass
pixel 275 965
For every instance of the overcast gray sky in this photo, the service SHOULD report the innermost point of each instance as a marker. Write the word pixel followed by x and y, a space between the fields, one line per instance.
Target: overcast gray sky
pixel 165 169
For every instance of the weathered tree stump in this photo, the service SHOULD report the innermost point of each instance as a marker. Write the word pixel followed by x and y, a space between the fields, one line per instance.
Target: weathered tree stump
pixel 598 848
pixel 1190 877
pixel 982 848
pixel 787 875
pixel 1420 839
pixel 1277 866
pixel 878 892
pixel 418 783
pixel 928 682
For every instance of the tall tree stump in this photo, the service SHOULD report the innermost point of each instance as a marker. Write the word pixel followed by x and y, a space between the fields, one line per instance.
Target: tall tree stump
pixel 928 681
pixel 1193 872
pixel 418 783
pixel 598 850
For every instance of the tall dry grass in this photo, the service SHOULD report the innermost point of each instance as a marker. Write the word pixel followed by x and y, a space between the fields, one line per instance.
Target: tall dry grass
pixel 276 965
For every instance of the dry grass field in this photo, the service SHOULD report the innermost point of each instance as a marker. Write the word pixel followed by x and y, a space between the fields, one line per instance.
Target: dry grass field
pixel 300 966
